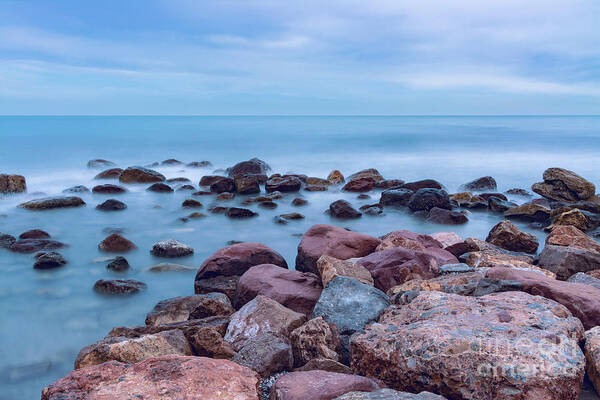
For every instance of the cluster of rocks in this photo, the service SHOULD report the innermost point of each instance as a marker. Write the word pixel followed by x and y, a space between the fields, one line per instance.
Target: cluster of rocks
pixel 37 242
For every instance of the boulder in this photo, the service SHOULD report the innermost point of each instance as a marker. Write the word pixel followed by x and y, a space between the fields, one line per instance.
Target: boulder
pixel 49 260
pixel 199 164
pixel 395 197
pixel 349 304
pixel 119 286
pixel 359 185
pixel 171 162
pixel 160 187
pixel 168 377
pixel 179 309
pixel 343 210
pixel 112 173
pixel 299 202
pixel 99 163
pixel 370 173
pixel 332 241
pixel 529 212
pixel 119 264
pixel 299 291
pixel 292 216
pixel 336 177
pixel 584 278
pixel 571 237
pixel 34 234
pixel 111 205
pixel 33 245
pixel 506 235
pixel 261 315
pixel 389 394
pixel 267 354
pixel 325 364
pixel 480 184
pixel 442 216
pixel 389 184
pixel 108 189
pixel 246 184
pixel 592 356
pixel 12 184
pixel 283 184
pixel 490 259
pixel 237 213
pixel 222 185
pixel 564 185
pixel 252 166
pixel 191 203
pixel 426 199
pixel 566 261
pixel 318 385
pixel 580 219
pixel 207 341
pixel 171 248
pixel 422 184
pixel 447 238
pixel 330 268
pixel 315 188
pixel 496 204
pixel 130 351
pixel 189 328
pixel 115 243
pixel 316 339
pixel 208 180
pixel 50 203
pixel 408 240
pixel 140 175
pixel 489 347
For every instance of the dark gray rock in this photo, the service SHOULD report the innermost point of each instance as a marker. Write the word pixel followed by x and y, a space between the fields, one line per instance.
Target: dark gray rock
pixel 111 205
pixel 100 163
pixel 222 185
pixel 119 264
pixel 566 261
pixel 252 166
pixel 283 184
pixel 456 268
pixel 6 240
pixel 267 354
pixel 171 248
pixel 49 260
pixel 389 394
pixel 108 189
pixel 480 184
pixel 426 199
pixel 77 189
pixel 236 212
pixel 581 277
pixel 343 210
pixel 496 204
pixel 160 187
pixel 119 286
pixel 34 234
pixel 447 217
pixel 395 197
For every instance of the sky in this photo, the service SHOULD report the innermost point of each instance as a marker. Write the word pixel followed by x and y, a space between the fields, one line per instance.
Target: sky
pixel 264 57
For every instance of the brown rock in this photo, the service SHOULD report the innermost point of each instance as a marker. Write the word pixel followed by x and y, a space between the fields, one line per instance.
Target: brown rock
pixel 108 189
pixel 112 173
pixel 189 327
pixel 592 356
pixel 370 173
pixel 446 238
pixel 330 268
pixel 446 217
pixel 317 181
pixel 283 184
pixel 179 309
pixel 318 385
pixel 140 175
pixel 50 203
pixel 574 218
pixel 325 364
pixel 488 259
pixel 528 212
pixel 12 183
pixel 564 185
pixel 119 286
pixel 422 184
pixel 506 235
pixel 208 342
pixel 359 185
pixel 563 235
pixel 116 243
pixel 315 339
pixel 336 177
pixel 33 245
pixel 408 240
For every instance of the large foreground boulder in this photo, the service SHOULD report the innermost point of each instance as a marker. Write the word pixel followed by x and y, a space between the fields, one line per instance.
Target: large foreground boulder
pixel 170 377
pixel 332 241
pixel 12 183
pixel 564 185
pixel 592 356
pixel 319 385
pixel 570 236
pixel 253 166
pixel 501 346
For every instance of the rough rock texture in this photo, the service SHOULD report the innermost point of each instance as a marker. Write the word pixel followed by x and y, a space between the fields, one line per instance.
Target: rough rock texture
pixel 528 212
pixel 119 286
pixel 489 259
pixel 330 268
pixel 237 212
pixel 389 394
pixel 140 175
pixel 267 354
pixel 422 184
pixel 582 220
pixel 359 185
pixel 318 385
pixel 111 205
pixel 116 243
pixel 207 341
pixel 246 184
pixel 189 327
pixel 179 309
pixel 261 315
pixel 501 346
pixel 370 173
pixel 315 339
pixel 77 189
pixel 395 197
pixel 160 378
pixel 566 261
pixel 350 305
pixel 447 238
pixel 325 364
pixel 119 264
pixel 50 203
pixel 506 235
pixel 582 300
pixel 222 185
pixel 480 184
pixel 584 278
pixel 253 166
pixel 336 177
pixel 446 217
pixel 108 189
pixel 332 241
pixel 171 248
pixel 344 210
pixel 426 199
pixel 133 350
pixel 592 356
pixel 283 184
pixel 408 240
pixel 572 237
pixel 298 291
pixel 12 183
pixel 112 173
pixel 564 185
pixel 49 260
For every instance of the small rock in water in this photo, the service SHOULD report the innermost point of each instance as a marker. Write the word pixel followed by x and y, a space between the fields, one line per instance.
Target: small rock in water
pixel 33 245
pixel 171 248
pixel 160 188
pixel 168 267
pixel 299 202
pixel 283 184
pixel 225 196
pixel 235 212
pixel 336 177
pixel 108 189
pixel 140 175
pixel 428 198
pixel 268 205
pixel 218 210
pixel 292 216
pixel 12 183
pixel 119 286
pixel 111 205
pixel 480 184
pixel 519 192
pixel 191 203
pixel 77 189
pixel 111 230
pixel 99 163
pixel 343 209
pixel 316 188
pixel 35 234
pixel 171 162
pixel 186 187
pixel 6 240
pixel 395 197
pixel 447 217
pixel 53 202
pixel 113 173
pixel 115 243
pixel 223 184
pixel 49 260
pixel 119 264
pixel 199 164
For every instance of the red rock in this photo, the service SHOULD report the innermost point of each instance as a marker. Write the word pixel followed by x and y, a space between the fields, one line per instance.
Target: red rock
pixel 112 173
pixel 332 241
pixel 116 243
pixel 160 378
pixel 446 238
pixel 566 261
pixel 570 236
pixel 359 185
pixel 507 236
pixel 319 385
pixel 34 234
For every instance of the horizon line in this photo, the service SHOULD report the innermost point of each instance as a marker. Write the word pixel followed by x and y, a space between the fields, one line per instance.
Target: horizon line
pixel 299 115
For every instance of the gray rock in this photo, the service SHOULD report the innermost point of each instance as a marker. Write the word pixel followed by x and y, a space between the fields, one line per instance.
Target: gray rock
pixel 266 354
pixel 344 210
pixel 566 261
pixel 119 286
pixel 428 198
pixel 456 268
pixel 395 197
pixel 389 394
pixel 119 264
pixel 581 277
pixel 49 260
pixel 179 309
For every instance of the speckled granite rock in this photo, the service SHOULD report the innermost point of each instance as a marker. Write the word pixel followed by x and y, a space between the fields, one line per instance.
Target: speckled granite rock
pixel 318 385
pixel 389 394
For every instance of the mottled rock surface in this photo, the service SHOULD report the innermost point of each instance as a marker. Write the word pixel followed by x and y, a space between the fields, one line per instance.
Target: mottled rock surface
pixel 171 248
pixel 330 268
pixel 564 185
pixel 318 385
pixel 140 175
pixel 316 339
pixel 115 243
pixel 507 236
pixel 179 309
pixel 50 203
pixel 267 354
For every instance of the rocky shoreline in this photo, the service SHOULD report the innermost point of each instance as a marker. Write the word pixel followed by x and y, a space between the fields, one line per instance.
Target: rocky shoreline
pixel 400 316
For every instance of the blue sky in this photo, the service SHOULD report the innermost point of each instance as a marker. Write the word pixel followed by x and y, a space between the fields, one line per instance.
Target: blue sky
pixel 305 57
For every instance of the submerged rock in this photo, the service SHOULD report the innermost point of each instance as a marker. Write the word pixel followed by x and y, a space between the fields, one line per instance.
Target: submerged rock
pixel 199 164
pixel 33 245
pixel 171 248
pixel 108 189
pixel 283 184
pixel 49 260
pixel 160 187
pixel 111 205
pixel 442 216
pixel 344 210
pixel 119 286
pixel 119 264
pixel 395 197
pixel 112 173
pixel 49 203
pixel 480 184
pixel 115 243
pixel 140 175
pixel 100 163
pixel 335 177
pixel 237 213
pixel 426 199
pixel 34 234
pixel 77 189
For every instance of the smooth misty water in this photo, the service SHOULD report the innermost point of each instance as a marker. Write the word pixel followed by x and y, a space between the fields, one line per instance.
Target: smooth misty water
pixel 46 317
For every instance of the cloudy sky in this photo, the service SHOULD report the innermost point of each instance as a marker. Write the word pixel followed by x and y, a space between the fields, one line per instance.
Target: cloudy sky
pixel 300 57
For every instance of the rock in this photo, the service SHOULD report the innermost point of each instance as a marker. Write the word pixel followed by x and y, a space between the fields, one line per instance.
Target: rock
pixel 160 187
pixel 349 304
pixel 33 245
pixel 208 180
pixel 582 300
pixel 99 163
pixel 199 164
pixel 566 261
pixel 592 356
pixel 586 279
pixel 423 184
pixel 111 205
pixel 395 197
pixel 358 185
pixel 576 218
pixel 519 192
pixel 506 235
pixel 451 339
pixel 332 241
pixel 6 240
pixel 119 286
pixel 218 210
pixel 119 264
pixel 267 354
pixel 330 268
pixel 373 210
pixel 284 185
pixel 225 196
pixel 179 309
pixel 528 212
pixel 171 162
pixel 299 291
pixel 236 212
pixel 171 248
pixel 49 203
pixel 564 185
pixel 191 203
pixel 34 234
pixel 170 267
pixel 208 342
pixel 261 315
pixel 187 187
pixel 292 216
pixel 496 204
pixel 481 184
pixel 325 364
pixel 389 394
pixel 317 181
pixel 455 268
pixel 316 339
pixel 268 205
pixel 446 239
pixel 252 166
pixel 140 175
pixel 189 328
pixel 336 177
pixel 318 385
pixel 222 185
pixel 299 202
pixel 408 240
pixel 49 260
pixel 426 199
pixel 112 173
pixel 389 184
pixel 247 184
pixel 442 216
pixel 77 189
pixel 131 351
pixel 344 210
pixel 489 259
pixel 315 188
pixel 108 189
pixel 571 237
pixel 115 243
pixel 180 179
pixel 167 377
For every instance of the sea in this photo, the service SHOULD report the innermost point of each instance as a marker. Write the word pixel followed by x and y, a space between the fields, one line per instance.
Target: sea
pixel 46 317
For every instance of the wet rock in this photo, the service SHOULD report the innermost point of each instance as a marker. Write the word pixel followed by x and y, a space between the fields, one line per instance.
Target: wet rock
pixel 529 212
pixel 208 180
pixel 426 199
pixel 318 385
pixel 171 162
pixel 350 304
pixel 180 179
pixel 370 173
pixel 247 184
pixel 218 210
pixel 119 286
pixel 332 241
pixel 269 205
pixel 496 204
pixel 571 237
pixel 317 181
pixel 140 175
pixel 108 189
pixel 455 268
pixel 506 235
pixel 423 184
pixel 170 267
pixel 49 203
pixel 6 240
pixel 191 203
pixel 283 185
pixel 358 185
pixel 171 248
pixel 225 196
pixel 315 188
pixel 49 260
pixel 316 339
pixel 111 205
pixel 292 216
pixel 77 189
pixel 566 261
pixel 33 245
pixel 330 268
pixel 519 192
pixel 179 309
pixel 187 187
pixel 336 177
pixel 236 212
pixel 480 184
pixel 564 185
pixel 119 264
pixel 299 291
pixel 34 234
pixel 450 339
pixel 586 279
pixel 100 163
pixel 252 166
pixel 395 197
pixel 158 378
pixel 299 202
pixel 373 210
pixel 577 218
pixel 389 394
pixel 199 164
pixel 343 210
pixel 160 187
pixel 189 328
pixel 261 315
pixel 389 184
pixel 112 173
pixel 115 243
pixel 442 216
pixel 267 354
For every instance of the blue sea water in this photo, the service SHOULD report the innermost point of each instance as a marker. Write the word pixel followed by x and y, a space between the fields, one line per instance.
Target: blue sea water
pixel 47 316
